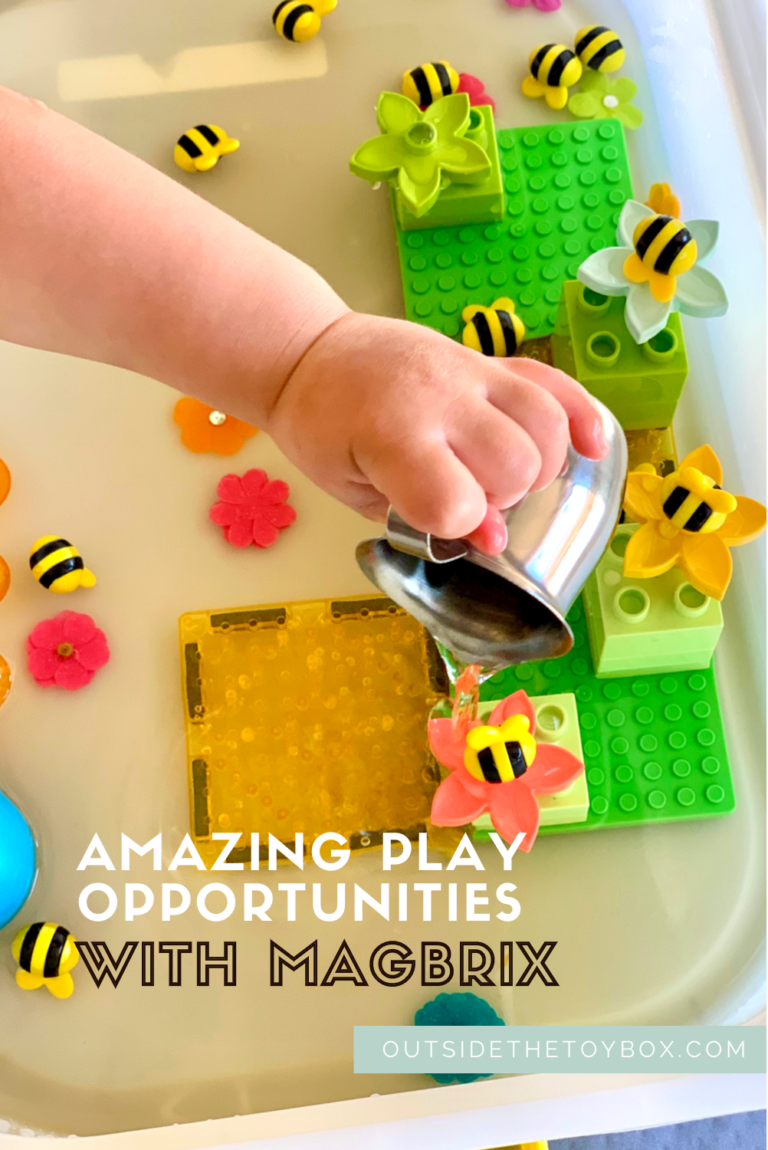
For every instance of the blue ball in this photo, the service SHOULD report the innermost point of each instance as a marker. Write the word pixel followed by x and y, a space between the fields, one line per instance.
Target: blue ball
pixel 17 860
pixel 457 1010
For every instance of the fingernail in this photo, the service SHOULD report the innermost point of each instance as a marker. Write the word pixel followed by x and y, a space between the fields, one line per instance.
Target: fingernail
pixel 491 536
pixel 600 440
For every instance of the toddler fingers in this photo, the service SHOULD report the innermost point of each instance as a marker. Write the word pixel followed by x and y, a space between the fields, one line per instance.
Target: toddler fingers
pixel 491 536
pixel 542 417
pixel 584 420
pixel 429 487
pixel 498 450
pixel 365 500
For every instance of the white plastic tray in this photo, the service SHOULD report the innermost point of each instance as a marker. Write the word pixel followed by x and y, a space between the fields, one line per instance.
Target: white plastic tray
pixel 662 924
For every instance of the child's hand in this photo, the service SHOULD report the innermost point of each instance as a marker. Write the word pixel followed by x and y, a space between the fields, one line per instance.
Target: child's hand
pixel 381 411
pixel 107 259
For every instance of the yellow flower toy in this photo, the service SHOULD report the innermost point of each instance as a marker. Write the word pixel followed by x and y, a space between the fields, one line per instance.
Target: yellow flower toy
pixel 663 200
pixel 688 521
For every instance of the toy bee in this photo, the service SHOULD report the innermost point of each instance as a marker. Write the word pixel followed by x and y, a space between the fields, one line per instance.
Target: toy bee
pixel 500 754
pixel 695 503
pixel 664 249
pixel 494 330
pixel 299 21
pixel 599 48
pixel 201 148
pixel 46 953
pixel 58 567
pixel 554 69
pixel 429 82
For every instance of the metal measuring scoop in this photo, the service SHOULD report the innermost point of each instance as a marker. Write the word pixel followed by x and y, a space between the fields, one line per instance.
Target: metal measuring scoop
pixel 496 610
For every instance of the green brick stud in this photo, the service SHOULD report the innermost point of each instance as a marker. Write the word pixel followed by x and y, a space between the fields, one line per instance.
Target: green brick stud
pixel 647 626
pixel 640 383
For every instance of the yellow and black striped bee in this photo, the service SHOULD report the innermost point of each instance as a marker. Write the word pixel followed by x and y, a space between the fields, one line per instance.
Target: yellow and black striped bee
pixel 554 69
pixel 299 21
pixel 599 48
pixel 664 249
pixel 494 330
pixel 58 567
pixel 201 148
pixel 46 953
pixel 430 82
pixel 500 754
pixel 695 503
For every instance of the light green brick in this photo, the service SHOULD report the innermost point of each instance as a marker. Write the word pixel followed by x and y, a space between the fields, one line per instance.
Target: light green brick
pixel 640 383
pixel 557 722
pixel 647 626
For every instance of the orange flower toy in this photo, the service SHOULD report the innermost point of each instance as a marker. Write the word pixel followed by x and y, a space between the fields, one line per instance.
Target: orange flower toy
pixel 688 521
pixel 5 481
pixel 662 199
pixel 203 429
pixel 6 677
pixel 499 768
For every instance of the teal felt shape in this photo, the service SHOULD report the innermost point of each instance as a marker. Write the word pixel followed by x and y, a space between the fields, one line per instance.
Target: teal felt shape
pixel 457 1010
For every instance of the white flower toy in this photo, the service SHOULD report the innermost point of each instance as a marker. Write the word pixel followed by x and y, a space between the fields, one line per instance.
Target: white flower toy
pixel 658 268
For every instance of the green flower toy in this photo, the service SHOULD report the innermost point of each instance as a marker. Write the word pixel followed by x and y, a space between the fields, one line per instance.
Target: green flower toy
pixel 601 98
pixel 421 153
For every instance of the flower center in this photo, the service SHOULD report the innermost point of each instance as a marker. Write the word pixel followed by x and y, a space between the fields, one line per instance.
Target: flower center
pixel 65 650
pixel 421 137
pixel 610 101
pixel 217 418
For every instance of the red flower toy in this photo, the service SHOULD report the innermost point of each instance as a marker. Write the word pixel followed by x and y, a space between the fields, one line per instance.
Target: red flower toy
pixel 542 5
pixel 499 768
pixel 475 89
pixel 252 509
pixel 66 651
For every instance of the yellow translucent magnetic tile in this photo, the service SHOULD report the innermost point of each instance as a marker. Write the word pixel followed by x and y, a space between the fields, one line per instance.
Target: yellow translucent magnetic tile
pixel 557 722
pixel 540 349
pixel 308 717
pixel 655 446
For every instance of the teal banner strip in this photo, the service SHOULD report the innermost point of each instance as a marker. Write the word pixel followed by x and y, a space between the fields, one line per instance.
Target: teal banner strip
pixel 560 1049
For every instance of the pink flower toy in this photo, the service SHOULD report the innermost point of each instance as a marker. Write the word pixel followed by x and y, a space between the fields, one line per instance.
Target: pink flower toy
pixel 499 768
pixel 252 509
pixel 475 89
pixel 66 651
pixel 542 5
